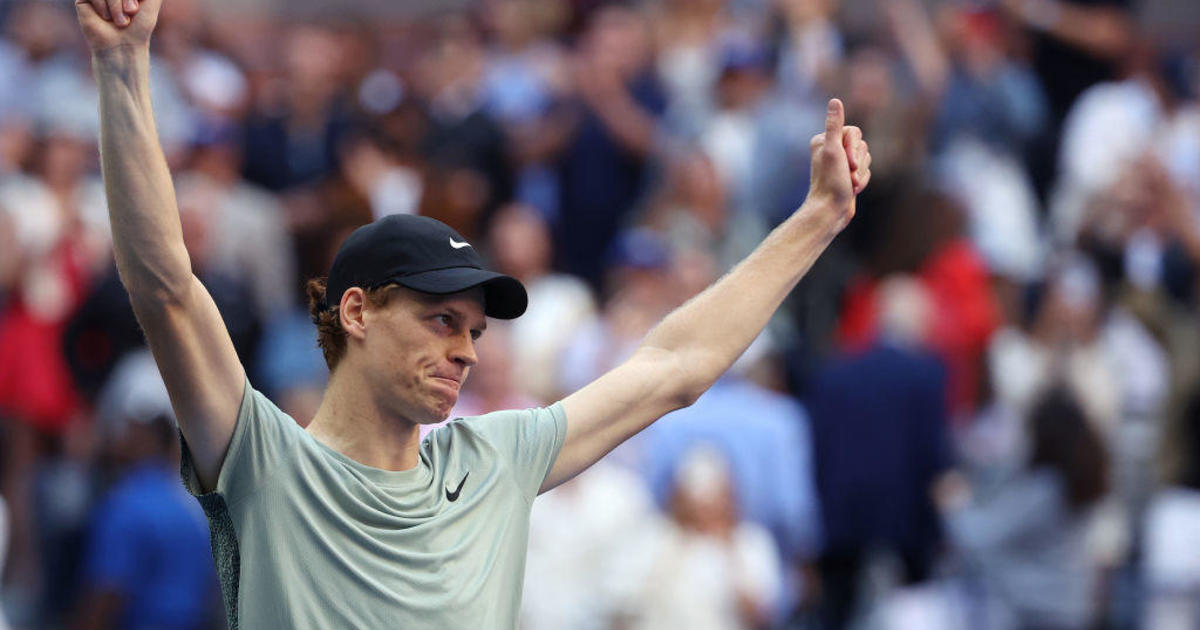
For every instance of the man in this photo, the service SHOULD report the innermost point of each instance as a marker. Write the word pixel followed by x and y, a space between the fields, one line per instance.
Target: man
pixel 147 562
pixel 877 453
pixel 353 522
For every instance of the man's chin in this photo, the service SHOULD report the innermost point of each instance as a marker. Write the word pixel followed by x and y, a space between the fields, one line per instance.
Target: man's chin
pixel 441 410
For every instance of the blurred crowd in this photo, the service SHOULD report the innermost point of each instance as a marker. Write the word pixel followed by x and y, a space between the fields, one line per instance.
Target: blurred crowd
pixel 980 409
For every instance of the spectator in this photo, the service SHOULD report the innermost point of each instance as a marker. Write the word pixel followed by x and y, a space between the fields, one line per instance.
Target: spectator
pixel 766 438
pixel 812 50
pixel 256 245
pixel 688 37
pixel 1076 44
pixel 608 136
pixel 922 234
pixel 878 449
pixel 527 78
pixel 1116 368
pixel 292 139
pixel 493 387
pixel 586 565
pixel 469 173
pixel 1026 539
pixel 640 293
pixel 559 304
pixel 757 141
pixel 711 570
pixel 147 564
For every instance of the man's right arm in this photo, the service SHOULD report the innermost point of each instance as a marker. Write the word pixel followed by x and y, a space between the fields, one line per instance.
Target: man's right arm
pixel 185 332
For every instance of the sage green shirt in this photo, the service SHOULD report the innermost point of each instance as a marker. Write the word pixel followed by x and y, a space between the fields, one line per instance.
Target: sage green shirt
pixel 305 537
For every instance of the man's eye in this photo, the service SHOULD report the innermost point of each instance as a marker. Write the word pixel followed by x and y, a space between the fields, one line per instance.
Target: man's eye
pixel 476 334
pixel 444 320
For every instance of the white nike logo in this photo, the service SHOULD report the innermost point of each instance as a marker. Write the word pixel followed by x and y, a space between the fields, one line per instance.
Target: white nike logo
pixel 457 245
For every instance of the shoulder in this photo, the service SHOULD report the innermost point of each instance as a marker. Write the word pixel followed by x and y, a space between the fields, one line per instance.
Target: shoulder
pixel 260 422
pixel 493 424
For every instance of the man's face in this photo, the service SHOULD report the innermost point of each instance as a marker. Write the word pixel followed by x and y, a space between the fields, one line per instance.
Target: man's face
pixel 419 348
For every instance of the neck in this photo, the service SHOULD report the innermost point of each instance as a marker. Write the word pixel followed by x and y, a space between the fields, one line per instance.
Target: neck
pixel 351 421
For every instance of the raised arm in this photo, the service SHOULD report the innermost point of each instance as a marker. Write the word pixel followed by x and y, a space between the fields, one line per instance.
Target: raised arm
pixel 690 349
pixel 181 322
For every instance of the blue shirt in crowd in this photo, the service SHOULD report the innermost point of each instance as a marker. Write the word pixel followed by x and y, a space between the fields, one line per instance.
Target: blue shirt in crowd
pixel 149 542
pixel 766 437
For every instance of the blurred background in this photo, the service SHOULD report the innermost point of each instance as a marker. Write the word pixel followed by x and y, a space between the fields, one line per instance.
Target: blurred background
pixel 980 409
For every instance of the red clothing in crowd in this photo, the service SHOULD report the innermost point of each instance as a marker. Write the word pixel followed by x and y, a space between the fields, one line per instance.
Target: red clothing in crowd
pixel 35 382
pixel 963 319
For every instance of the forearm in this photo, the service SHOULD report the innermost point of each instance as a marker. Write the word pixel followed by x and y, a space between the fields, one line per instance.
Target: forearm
pixel 687 352
pixel 630 125
pixel 1105 32
pixel 708 333
pixel 919 44
pixel 147 237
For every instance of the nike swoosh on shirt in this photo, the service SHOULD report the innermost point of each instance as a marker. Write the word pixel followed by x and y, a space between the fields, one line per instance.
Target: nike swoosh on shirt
pixel 457 245
pixel 453 496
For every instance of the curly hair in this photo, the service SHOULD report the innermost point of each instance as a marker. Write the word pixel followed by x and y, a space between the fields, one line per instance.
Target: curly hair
pixel 331 337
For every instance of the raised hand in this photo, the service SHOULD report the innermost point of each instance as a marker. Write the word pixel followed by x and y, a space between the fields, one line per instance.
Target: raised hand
pixel 109 24
pixel 841 164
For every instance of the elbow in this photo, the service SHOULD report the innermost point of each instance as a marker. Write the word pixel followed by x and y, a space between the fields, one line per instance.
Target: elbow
pixel 689 385
pixel 162 276
pixel 673 380
pixel 687 396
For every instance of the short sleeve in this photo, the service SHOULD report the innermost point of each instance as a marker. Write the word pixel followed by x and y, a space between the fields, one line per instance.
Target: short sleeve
pixel 528 441
pixel 263 437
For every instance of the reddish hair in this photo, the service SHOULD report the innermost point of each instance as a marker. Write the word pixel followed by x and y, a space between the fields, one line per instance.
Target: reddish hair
pixel 331 337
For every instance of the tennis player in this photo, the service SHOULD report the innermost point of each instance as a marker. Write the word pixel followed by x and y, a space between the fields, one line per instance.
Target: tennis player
pixel 354 522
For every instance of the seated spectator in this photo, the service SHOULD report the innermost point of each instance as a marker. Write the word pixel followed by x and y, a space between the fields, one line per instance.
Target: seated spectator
pixel 711 569
pixel 148 562
pixel 767 439
pixel 1027 539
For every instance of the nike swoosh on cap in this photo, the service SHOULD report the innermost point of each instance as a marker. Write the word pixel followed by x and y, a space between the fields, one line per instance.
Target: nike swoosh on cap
pixel 457 245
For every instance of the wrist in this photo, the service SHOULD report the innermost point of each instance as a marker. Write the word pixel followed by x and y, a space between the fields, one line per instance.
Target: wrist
pixel 121 54
pixel 823 216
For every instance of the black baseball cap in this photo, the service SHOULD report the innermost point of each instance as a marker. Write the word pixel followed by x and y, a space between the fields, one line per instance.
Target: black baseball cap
pixel 425 255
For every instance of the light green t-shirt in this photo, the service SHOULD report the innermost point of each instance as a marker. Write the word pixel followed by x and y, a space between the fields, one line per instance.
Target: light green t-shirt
pixel 305 537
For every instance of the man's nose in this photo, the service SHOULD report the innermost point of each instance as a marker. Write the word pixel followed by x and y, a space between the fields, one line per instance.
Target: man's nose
pixel 463 350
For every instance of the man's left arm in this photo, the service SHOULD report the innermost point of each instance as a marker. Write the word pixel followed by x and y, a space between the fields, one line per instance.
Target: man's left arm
pixel 690 349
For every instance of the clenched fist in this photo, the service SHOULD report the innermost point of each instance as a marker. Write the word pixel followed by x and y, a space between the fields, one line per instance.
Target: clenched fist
pixel 111 24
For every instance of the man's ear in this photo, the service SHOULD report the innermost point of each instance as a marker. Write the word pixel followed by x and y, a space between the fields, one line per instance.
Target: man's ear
pixel 352 312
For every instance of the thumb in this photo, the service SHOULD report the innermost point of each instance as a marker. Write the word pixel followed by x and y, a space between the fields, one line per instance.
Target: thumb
pixel 835 119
